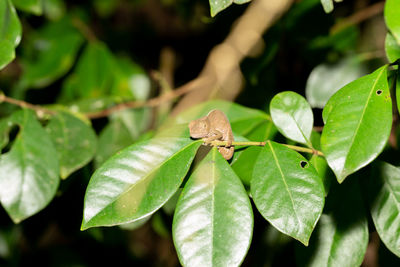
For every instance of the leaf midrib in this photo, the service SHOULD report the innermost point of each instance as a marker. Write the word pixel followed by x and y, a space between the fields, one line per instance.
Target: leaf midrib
pixel 361 118
pixel 284 181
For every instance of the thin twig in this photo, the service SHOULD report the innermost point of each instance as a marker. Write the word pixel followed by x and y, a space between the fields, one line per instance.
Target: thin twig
pixel 359 17
pixel 84 29
pixel 40 111
pixel 149 103
pixel 296 148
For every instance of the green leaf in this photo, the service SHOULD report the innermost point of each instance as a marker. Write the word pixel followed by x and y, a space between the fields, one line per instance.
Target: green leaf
pixel 243 165
pixel 341 235
pixel 358 122
pixel 75 142
pixel 29 171
pixel 384 199
pixel 392 48
pixel 10 32
pixel 31 6
pixel 94 74
pixel 131 81
pixel 137 181
pixel 213 220
pixel 287 191
pixel 10 27
pixel 124 128
pixel 53 53
pixel 327 79
pixel 392 18
pixel 293 117
pixel 7 53
pixel 243 120
pixel 217 6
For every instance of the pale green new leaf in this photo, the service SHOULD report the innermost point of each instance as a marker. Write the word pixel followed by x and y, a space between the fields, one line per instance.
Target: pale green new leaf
pixel 392 17
pixel 29 171
pixel 327 79
pixel 213 220
pixel 137 181
pixel 341 235
pixel 384 198
pixel 293 117
pixel 217 6
pixel 74 139
pixel 358 122
pixel 287 191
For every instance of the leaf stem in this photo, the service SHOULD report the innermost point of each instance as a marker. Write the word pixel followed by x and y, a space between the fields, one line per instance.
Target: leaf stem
pixel 249 143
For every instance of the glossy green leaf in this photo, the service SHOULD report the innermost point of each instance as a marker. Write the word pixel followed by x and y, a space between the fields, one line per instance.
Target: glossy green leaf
pixel 242 119
pixel 358 122
pixel 31 6
pixel 217 6
pixel 53 53
pixel 392 48
pixel 341 235
pixel 392 18
pixel 292 115
pixel 287 191
pixel 213 220
pixel 29 171
pixel 7 53
pixel 10 32
pixel 384 198
pixel 327 79
pixel 124 128
pixel 75 142
pixel 137 181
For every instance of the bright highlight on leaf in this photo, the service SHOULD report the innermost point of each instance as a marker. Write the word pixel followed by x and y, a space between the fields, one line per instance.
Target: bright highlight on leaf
pixel 213 220
pixel 384 198
pixel 358 122
pixel 287 191
pixel 29 171
pixel 137 181
pixel 293 117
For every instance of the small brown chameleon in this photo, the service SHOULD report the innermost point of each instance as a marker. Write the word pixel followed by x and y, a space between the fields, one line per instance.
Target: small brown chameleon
pixel 214 126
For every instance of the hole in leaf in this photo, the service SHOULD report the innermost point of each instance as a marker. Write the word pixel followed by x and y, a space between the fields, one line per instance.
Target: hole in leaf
pixel 378 92
pixel 303 164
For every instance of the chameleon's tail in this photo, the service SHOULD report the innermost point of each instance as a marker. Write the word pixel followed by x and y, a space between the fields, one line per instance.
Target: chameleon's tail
pixel 227 152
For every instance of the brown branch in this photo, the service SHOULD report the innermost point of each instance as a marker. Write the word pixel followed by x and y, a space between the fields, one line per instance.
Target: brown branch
pixel 156 101
pixel 84 29
pixel 40 111
pixel 359 17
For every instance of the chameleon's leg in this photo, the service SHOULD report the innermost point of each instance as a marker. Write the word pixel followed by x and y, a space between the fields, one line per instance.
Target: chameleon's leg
pixel 226 152
pixel 215 136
